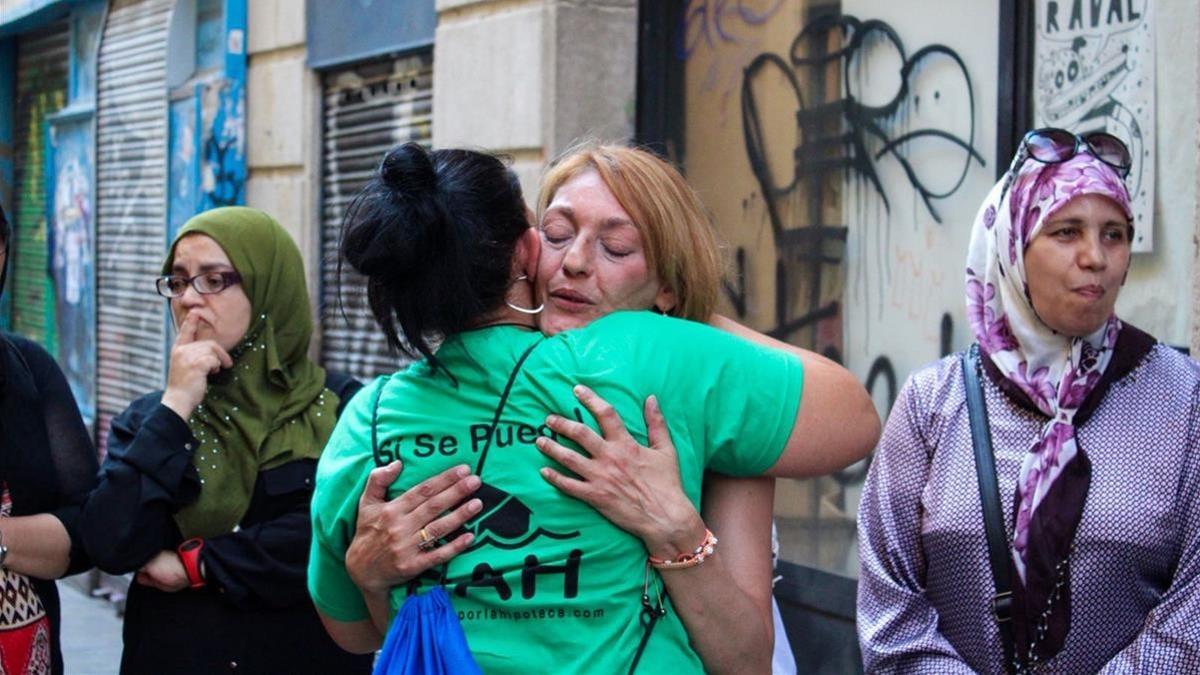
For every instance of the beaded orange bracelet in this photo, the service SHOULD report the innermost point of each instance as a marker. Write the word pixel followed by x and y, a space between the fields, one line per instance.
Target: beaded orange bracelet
pixel 692 559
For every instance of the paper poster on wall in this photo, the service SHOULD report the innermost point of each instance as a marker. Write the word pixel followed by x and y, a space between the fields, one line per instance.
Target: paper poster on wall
pixel 72 248
pixel 1093 70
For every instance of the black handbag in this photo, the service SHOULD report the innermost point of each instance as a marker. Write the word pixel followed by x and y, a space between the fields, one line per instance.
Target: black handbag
pixel 989 494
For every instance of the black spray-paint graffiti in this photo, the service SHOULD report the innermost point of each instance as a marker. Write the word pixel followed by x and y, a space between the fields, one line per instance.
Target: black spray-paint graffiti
pixel 820 150
pixel 837 137
pixel 883 370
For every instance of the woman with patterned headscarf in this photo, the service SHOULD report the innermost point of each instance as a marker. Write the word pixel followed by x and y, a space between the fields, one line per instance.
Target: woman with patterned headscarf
pixel 205 489
pixel 1093 427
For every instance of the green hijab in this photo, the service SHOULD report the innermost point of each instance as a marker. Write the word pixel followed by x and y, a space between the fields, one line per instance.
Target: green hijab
pixel 271 407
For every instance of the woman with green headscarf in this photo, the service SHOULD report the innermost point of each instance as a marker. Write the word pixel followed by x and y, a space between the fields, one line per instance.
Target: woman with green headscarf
pixel 205 489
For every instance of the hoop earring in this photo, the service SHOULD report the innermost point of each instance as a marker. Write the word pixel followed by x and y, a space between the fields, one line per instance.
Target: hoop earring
pixel 525 310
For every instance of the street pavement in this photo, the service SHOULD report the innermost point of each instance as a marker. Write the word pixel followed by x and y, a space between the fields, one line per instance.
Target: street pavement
pixel 91 632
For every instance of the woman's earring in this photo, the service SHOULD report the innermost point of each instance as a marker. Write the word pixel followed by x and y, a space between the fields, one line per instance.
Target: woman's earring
pixel 525 310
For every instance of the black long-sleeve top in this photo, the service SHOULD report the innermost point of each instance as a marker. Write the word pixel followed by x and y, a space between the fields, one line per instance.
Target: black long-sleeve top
pixel 47 460
pixel 253 614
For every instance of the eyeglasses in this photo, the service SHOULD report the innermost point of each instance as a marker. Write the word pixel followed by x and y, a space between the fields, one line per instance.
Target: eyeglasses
pixel 1054 146
pixel 205 283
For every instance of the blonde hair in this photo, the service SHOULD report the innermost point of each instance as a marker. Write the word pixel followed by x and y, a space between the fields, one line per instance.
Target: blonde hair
pixel 681 245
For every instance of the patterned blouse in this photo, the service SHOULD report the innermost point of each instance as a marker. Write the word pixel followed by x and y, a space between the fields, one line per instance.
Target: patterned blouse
pixel 924 594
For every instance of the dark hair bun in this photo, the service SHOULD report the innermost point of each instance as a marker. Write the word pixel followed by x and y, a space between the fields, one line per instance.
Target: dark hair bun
pixel 408 170
pixel 434 233
pixel 388 222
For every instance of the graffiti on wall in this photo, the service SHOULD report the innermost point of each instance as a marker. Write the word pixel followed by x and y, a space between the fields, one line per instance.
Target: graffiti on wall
pixel 222 144
pixel 842 149
pixel 709 26
pixel 849 134
pixel 30 286
pixel 843 135
pixel 208 150
pixel 1094 71
pixel 707 22
pixel 182 178
pixel 72 259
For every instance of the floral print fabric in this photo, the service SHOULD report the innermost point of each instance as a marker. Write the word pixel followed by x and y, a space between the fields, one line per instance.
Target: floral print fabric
pixel 1055 371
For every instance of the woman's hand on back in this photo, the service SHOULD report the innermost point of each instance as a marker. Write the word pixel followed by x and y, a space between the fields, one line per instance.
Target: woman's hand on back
pixel 636 487
pixel 192 361
pixel 386 548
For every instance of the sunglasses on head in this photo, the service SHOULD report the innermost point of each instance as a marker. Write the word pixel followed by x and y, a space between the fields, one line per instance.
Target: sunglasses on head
pixel 1054 146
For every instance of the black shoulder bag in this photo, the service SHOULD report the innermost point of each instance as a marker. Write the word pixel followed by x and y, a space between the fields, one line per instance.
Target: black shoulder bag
pixel 989 494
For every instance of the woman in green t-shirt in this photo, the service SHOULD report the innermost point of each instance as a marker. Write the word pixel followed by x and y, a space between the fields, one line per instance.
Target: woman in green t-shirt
pixel 621 229
pixel 420 235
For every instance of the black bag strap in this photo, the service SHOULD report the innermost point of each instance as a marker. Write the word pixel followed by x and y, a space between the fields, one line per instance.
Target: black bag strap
pixel 989 494
pixel 649 618
pixel 512 377
pixel 374 427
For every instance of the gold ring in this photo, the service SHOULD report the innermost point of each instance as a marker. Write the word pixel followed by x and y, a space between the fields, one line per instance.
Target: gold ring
pixel 428 541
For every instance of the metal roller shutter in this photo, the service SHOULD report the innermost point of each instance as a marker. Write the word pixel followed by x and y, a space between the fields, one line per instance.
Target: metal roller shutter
pixel 42 59
pixel 368 109
pixel 131 206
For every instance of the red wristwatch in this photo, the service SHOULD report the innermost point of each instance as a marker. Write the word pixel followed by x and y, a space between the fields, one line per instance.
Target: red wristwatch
pixel 189 554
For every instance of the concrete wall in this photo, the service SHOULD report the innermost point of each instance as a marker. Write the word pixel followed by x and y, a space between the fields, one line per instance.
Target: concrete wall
pixel 1157 297
pixel 523 77
pixel 545 71
pixel 283 126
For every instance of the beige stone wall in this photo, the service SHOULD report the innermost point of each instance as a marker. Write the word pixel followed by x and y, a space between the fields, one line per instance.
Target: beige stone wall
pixel 547 72
pixel 283 126
pixel 1156 296
pixel 522 77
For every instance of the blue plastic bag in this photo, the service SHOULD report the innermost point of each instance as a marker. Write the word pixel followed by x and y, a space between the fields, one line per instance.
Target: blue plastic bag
pixel 426 638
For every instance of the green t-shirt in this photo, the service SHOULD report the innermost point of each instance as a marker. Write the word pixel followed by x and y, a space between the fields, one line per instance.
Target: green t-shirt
pixel 549 584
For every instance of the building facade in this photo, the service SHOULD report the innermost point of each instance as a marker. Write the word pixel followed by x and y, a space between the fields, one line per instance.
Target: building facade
pixel 842 146
pixel 125 118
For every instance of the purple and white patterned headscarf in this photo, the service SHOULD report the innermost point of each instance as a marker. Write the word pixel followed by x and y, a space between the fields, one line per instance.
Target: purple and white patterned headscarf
pixel 1056 372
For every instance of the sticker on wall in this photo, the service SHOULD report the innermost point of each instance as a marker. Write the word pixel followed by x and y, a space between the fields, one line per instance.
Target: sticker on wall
pixel 72 259
pixel 1093 71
